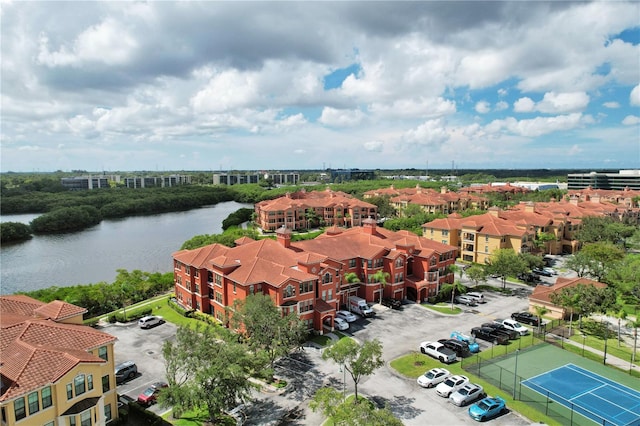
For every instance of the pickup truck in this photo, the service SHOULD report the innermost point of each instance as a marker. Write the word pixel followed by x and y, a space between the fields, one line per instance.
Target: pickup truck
pixel 513 325
pixel 525 317
pixel 438 351
pixel 490 335
pixel 511 334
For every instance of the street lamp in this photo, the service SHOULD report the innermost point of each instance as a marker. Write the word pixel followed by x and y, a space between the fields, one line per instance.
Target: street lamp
pixel 515 375
pixel 584 337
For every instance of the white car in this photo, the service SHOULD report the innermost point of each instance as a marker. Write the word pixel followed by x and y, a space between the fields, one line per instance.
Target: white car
pixel 550 270
pixel 340 324
pixel 346 315
pixel 450 385
pixel 433 377
pixel 150 321
pixel 513 325
pixel 467 394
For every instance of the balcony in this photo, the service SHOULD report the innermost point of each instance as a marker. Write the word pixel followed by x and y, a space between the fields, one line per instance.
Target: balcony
pixel 468 237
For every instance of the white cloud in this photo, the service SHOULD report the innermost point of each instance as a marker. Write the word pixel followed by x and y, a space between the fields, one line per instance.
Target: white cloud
pixel 634 97
pixel 429 133
pixel 374 146
pixel 340 117
pixel 558 103
pixel 631 120
pixel 483 107
pixel 536 126
pixel 502 105
pixel 524 105
pixel 611 105
pixel 408 108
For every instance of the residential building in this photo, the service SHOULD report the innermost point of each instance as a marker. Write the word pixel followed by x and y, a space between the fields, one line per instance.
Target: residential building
pixel 308 277
pixel 602 180
pixel 495 187
pixel 625 197
pixel 54 371
pixel 541 295
pixel 443 202
pixel 305 210
pixel 477 237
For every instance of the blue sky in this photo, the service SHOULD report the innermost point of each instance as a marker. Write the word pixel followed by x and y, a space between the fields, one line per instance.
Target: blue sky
pixel 301 85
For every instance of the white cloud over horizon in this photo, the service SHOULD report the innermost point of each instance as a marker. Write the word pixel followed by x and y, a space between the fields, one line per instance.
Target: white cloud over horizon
pixel 193 85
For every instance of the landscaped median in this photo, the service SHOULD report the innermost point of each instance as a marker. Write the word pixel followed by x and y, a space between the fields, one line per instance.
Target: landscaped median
pixel 442 307
pixel 414 364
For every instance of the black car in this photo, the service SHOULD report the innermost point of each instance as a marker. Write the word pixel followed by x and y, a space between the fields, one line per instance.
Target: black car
pixel 490 335
pixel 511 334
pixel 528 277
pixel 540 271
pixel 459 347
pixel 390 302
pixel 525 318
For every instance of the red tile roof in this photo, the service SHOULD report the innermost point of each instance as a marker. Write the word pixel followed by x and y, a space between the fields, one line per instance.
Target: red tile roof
pixel 59 310
pixel 543 293
pixel 35 351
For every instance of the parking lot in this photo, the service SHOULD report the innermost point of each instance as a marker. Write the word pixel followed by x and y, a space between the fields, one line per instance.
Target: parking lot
pixel 400 332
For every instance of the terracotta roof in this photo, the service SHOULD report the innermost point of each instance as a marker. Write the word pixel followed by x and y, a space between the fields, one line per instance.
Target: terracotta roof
pixel 488 223
pixel 59 310
pixel 543 293
pixel 35 351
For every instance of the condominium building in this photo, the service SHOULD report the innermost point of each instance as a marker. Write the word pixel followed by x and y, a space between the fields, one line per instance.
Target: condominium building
pixel 54 371
pixel 305 210
pixel 308 277
pixel 597 180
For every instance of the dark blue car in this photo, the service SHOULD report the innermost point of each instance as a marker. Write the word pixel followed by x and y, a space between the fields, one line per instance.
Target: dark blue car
pixel 487 408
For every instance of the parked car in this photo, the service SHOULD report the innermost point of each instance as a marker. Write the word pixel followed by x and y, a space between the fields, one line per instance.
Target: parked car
pixel 346 315
pixel 467 394
pixel 438 351
pixel 487 408
pixel 126 371
pixel 490 335
pixel 479 297
pixel 469 340
pixel 451 384
pixel 528 277
pixel 390 302
pixel 511 334
pixel 540 271
pixel 525 317
pixel 513 325
pixel 150 395
pixel 340 324
pixel 432 377
pixel 465 300
pixel 458 346
pixel 150 321
pixel 550 270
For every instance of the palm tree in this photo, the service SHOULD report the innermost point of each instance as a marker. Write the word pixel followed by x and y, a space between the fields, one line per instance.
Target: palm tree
pixel 381 276
pixel 621 314
pixel 452 288
pixel 540 311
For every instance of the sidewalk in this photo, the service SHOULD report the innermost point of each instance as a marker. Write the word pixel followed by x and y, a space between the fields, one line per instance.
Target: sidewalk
pixel 611 360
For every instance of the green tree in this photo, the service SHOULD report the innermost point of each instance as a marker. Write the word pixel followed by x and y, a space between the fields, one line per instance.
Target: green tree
pixel 584 298
pixel 358 360
pixel 452 289
pixel 504 263
pixel 381 277
pixel 601 258
pixel 330 403
pixel 542 239
pixel 477 274
pixel 203 371
pixel 596 229
pixel 540 311
pixel 265 328
pixel 625 277
pixel 531 260
pixel 14 231
pixel 635 324
pixel 384 206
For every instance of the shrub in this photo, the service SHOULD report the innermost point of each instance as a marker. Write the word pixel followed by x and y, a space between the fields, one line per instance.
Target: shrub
pixel 112 319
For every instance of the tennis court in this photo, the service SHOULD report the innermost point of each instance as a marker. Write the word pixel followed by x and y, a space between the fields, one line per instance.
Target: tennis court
pixel 589 394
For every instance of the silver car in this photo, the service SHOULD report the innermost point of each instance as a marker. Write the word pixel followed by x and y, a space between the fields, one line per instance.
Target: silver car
pixel 467 394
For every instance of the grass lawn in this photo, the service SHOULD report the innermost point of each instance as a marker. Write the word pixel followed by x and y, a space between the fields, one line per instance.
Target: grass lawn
pixel 196 418
pixel 443 308
pixel 415 364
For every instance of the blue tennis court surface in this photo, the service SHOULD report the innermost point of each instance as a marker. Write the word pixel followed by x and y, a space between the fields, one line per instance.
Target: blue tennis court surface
pixel 595 397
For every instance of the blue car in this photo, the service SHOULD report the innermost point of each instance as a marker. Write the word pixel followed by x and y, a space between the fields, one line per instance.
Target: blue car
pixel 471 341
pixel 487 408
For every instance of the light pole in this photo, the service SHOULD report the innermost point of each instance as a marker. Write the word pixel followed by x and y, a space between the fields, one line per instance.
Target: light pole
pixel 344 385
pixel 584 337
pixel 515 375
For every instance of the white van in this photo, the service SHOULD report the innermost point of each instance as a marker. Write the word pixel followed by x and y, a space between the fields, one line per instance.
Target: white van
pixel 478 297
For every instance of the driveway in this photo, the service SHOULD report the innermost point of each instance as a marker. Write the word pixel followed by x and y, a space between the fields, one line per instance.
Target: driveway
pixel 144 347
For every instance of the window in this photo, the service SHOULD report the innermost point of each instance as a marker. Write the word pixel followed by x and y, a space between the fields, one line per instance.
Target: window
pixel 90 382
pixel 289 291
pixel 34 403
pixel 187 270
pixel 78 384
pixel 330 295
pixel 72 421
pixel 209 276
pixel 486 249
pixel 107 412
pixel 105 383
pixel 85 418
pixel 352 263
pixel 197 288
pixel 46 397
pixel 399 262
pixel 306 305
pixel 307 286
pixel 326 278
pixel 218 280
pixel 196 274
pixel 69 391
pixel 218 297
pixel 369 263
pixel 51 423
pixel 18 409
pixel 234 288
pixel 486 238
pixel 324 295
pixel 445 232
pixel 103 353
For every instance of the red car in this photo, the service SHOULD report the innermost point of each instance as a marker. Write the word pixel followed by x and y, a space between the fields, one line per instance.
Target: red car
pixel 150 394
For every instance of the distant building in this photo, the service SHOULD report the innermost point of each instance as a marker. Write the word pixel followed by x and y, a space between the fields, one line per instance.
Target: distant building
pixel 79 183
pixel 237 178
pixel 156 181
pixel 541 295
pixel 629 179
pixel 351 174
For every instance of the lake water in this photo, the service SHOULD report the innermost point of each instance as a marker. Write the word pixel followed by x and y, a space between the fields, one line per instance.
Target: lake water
pixel 95 254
